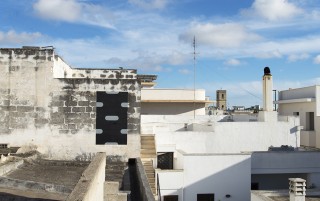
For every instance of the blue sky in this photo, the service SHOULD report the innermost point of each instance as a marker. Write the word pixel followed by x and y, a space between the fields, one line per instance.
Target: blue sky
pixel 235 39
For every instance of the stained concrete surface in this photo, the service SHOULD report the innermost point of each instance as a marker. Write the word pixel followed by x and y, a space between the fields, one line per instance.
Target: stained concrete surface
pixel 286 198
pixel 66 173
pixel 8 194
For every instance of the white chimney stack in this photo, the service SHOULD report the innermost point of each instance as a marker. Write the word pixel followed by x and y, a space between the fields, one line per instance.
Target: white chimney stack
pixel 267 114
pixel 297 189
pixel 267 90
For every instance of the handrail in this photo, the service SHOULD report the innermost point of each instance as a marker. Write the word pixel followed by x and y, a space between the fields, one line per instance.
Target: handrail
pixel 158 188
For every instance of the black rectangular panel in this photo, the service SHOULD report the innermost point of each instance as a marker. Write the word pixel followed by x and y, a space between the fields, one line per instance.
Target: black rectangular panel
pixel 111 120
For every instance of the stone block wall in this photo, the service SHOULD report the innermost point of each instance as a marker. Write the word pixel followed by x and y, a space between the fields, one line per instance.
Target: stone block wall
pixel 44 103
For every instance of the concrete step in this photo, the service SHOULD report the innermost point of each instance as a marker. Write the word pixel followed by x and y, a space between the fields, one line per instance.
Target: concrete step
pixel 152 147
pixel 148 156
pixel 116 197
pixel 146 140
pixel 151 180
pixel 145 151
pixel 111 187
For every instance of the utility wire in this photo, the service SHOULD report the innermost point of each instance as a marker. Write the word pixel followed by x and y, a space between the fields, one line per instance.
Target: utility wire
pixel 228 79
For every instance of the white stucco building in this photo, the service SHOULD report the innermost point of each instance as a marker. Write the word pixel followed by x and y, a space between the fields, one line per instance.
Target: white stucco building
pixel 173 102
pixel 223 157
pixel 305 103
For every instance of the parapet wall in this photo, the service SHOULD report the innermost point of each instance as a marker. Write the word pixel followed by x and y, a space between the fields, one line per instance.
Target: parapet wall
pixel 45 103
pixel 91 184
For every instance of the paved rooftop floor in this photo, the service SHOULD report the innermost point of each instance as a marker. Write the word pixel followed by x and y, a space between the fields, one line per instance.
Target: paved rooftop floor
pixel 66 173
pixel 286 198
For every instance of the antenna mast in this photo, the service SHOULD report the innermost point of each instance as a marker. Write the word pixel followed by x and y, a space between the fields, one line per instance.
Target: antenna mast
pixel 194 77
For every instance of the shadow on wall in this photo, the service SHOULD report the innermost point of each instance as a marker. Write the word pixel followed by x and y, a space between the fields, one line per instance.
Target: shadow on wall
pixel 169 108
pixel 214 176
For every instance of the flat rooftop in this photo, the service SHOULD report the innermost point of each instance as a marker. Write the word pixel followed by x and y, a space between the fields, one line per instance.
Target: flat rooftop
pixel 283 195
pixel 65 173
pixel 39 179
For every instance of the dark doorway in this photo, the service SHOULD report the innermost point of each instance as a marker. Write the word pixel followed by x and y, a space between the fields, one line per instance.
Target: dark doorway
pixel 205 197
pixel 171 198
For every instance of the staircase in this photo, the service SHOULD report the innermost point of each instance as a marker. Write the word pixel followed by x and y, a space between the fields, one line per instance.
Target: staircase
pixel 148 154
pixel 114 186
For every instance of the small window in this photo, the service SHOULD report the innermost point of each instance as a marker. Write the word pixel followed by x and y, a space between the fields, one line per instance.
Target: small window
pixel 165 160
pixel 205 197
pixel 170 198
pixel 222 96
pixel 295 113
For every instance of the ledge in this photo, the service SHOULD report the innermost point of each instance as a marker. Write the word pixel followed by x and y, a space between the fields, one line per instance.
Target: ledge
pixel 300 100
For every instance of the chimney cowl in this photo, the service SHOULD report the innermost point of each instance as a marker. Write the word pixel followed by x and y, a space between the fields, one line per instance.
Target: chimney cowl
pixel 267 71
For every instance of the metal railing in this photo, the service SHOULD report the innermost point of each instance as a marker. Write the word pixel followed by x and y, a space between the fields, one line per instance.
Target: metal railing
pixel 158 188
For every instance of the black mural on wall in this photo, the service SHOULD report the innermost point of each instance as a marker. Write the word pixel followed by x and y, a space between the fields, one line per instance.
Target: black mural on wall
pixel 111 121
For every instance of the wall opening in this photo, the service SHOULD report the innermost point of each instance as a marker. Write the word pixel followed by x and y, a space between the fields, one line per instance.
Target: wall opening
pixel 171 198
pixel 205 197
pixel 295 113
pixel 165 160
pixel 310 121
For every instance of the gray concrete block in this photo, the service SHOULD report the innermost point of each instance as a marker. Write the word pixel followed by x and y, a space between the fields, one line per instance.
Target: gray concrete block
pixel 111 187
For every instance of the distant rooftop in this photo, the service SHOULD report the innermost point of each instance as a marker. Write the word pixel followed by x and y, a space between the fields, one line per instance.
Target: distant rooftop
pixel 147 78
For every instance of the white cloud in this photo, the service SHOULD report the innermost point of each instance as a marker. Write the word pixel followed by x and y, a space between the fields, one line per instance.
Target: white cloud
pixel 297 57
pixel 184 71
pixel 232 62
pixel 316 60
pixel 227 35
pixel 12 37
pixel 268 54
pixel 149 4
pixel 273 9
pixel 74 11
pixel 65 10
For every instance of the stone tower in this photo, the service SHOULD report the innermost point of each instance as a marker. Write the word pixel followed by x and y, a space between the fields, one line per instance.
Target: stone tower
pixel 221 99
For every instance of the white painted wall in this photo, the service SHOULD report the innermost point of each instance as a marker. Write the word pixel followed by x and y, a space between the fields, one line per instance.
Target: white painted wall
pixel 173 108
pixel 218 174
pixel 305 92
pixel 311 138
pixel 173 94
pixel 166 102
pixel 229 137
pixel 171 182
pixel 267 87
pixel 277 162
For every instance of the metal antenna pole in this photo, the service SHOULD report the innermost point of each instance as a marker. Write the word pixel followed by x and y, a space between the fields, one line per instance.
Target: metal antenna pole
pixel 194 77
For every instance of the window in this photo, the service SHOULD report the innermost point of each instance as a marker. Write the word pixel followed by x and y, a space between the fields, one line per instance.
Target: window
pixel 170 198
pixel 295 113
pixel 165 160
pixel 222 96
pixel 205 197
pixel 310 121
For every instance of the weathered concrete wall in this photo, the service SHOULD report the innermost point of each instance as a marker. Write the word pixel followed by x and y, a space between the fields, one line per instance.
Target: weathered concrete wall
pixel 91 184
pixel 46 103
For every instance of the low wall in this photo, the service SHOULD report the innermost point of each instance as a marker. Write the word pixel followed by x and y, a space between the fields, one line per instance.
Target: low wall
pixel 91 184
pixel 144 186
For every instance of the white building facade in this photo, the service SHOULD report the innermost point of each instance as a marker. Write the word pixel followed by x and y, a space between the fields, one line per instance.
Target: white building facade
pixel 173 101
pixel 305 103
